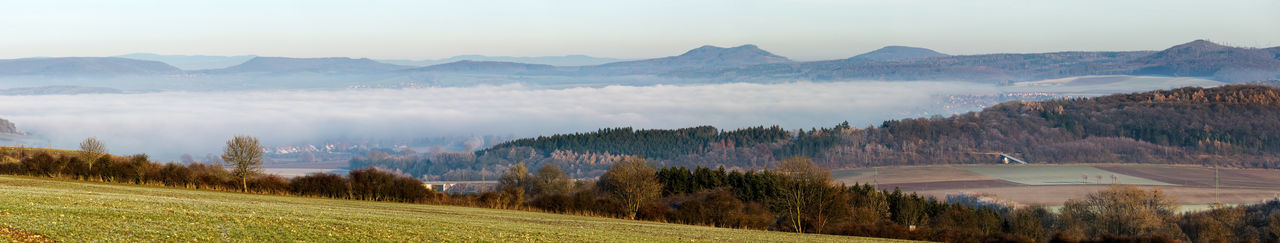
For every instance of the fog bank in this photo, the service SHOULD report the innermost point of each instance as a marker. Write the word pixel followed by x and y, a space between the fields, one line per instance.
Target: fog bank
pixel 167 124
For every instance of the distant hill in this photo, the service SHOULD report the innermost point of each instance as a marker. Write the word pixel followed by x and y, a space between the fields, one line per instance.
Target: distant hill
pixel 59 90
pixel 652 143
pixel 981 68
pixel 192 62
pixel 1268 82
pixel 484 67
pixel 569 60
pixel 898 53
pixel 707 64
pixel 1202 58
pixel 7 127
pixel 83 66
pixel 1196 59
pixel 701 57
pixel 312 65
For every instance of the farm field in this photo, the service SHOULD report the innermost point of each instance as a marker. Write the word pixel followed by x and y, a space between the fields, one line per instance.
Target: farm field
pixel 1051 185
pixel 1202 176
pixel 84 211
pixel 1040 175
pixel 895 175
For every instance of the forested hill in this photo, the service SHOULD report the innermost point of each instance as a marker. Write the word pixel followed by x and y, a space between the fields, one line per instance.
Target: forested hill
pixel 1234 125
pixel 652 143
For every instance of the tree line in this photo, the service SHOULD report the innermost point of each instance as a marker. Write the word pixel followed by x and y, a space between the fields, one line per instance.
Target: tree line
pixel 800 196
pixel 241 172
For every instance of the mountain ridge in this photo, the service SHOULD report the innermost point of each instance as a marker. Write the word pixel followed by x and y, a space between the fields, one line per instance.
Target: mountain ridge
pixel 191 62
pixel 705 64
pixel 899 52
pixel 313 65
pixel 467 66
pixel 566 60
pixel 704 56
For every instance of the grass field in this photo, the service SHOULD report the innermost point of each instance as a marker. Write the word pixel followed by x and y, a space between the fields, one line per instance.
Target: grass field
pixel 83 211
pixel 921 174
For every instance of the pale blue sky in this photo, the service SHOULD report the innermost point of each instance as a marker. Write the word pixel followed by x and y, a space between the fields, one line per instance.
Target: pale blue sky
pixel 800 29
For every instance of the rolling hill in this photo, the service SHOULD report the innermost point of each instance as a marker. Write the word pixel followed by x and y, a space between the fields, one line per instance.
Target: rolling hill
pixel 490 67
pixel 701 57
pixel 1202 58
pixel 192 62
pixel 567 60
pixel 330 65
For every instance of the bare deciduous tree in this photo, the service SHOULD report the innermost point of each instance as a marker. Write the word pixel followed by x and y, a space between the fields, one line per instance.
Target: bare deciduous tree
pixel 804 192
pixel 1121 210
pixel 551 180
pixel 633 182
pixel 91 148
pixel 516 176
pixel 243 153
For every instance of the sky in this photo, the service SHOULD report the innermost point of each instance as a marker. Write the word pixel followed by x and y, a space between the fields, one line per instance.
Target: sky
pixel 800 29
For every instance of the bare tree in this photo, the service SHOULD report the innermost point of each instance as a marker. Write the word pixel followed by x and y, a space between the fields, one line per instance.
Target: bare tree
pixel 516 176
pixel 803 192
pixel 633 182
pixel 551 180
pixel 243 153
pixel 1121 210
pixel 91 149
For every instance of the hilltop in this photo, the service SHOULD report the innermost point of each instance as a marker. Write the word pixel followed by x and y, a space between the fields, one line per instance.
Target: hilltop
pixel 330 65
pixel 1202 58
pixel 484 67
pixel 701 57
pixel 898 53
pixel 567 60
pixel 192 62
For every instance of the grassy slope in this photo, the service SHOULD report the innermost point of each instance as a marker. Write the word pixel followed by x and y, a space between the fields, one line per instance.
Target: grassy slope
pixel 81 211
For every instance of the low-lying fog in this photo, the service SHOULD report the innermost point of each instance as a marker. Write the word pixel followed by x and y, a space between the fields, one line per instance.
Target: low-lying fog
pixel 168 124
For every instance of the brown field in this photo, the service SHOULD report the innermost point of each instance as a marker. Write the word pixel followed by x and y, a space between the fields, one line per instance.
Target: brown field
pixel 1202 176
pixel 300 169
pixel 1191 185
pixel 1057 194
pixel 906 175
pixel 948 185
